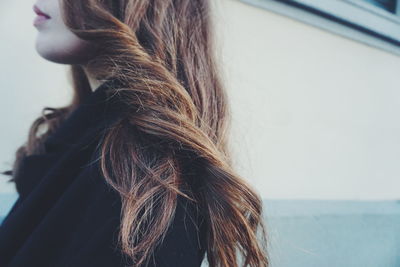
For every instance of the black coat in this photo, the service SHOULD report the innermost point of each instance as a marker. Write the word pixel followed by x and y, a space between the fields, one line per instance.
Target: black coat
pixel 68 216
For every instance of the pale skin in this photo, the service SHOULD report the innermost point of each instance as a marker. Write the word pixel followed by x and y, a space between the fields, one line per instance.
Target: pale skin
pixel 56 43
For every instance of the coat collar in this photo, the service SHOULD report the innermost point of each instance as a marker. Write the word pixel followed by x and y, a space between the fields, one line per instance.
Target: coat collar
pixel 76 136
pixel 98 107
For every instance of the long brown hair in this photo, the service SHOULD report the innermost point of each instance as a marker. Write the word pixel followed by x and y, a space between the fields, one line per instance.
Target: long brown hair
pixel 162 51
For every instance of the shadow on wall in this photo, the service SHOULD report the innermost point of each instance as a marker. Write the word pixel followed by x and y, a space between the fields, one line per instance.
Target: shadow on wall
pixel 323 233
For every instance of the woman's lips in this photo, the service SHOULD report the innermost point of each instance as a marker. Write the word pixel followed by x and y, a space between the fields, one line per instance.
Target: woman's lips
pixel 37 10
pixel 41 16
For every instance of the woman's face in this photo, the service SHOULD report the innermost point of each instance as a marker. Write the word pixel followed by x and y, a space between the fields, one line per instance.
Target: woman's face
pixel 55 42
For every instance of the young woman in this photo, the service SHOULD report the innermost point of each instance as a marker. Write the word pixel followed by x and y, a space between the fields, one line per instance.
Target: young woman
pixel 136 170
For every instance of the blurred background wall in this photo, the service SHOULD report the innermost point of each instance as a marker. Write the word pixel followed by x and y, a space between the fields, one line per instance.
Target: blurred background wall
pixel 27 81
pixel 315 114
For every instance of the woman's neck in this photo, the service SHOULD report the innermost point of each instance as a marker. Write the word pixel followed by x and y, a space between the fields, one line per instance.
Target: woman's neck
pixel 93 81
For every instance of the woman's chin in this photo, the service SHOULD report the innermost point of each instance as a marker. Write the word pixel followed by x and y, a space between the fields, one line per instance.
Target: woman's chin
pixel 72 54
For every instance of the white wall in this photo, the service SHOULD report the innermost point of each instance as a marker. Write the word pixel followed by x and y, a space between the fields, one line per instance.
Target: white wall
pixel 314 114
pixel 27 81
